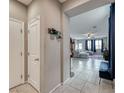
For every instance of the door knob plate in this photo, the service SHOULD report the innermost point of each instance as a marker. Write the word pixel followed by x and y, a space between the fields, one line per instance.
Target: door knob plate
pixel 37 59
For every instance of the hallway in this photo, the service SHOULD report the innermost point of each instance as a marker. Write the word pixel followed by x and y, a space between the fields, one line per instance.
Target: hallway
pixel 39 46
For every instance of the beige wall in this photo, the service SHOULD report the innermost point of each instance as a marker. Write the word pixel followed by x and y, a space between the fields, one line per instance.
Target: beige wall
pixel 52 54
pixel 35 9
pixel 19 11
pixel 50 12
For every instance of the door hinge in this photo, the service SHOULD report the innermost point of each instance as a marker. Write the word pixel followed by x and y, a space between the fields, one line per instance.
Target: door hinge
pixel 21 76
pixel 21 53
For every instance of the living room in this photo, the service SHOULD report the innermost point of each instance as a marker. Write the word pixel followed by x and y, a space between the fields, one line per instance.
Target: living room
pixel 89 46
pixel 89 34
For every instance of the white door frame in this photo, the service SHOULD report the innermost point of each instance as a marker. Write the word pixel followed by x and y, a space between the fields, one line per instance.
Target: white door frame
pixel 30 22
pixel 33 19
pixel 23 53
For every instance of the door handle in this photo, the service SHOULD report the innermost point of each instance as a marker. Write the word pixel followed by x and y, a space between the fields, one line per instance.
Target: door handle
pixel 37 59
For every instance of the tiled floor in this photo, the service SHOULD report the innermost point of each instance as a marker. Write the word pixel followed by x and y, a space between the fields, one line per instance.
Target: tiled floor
pixel 26 88
pixel 85 80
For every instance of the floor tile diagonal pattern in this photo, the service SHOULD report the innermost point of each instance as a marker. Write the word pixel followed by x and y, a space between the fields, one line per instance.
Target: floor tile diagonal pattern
pixel 85 80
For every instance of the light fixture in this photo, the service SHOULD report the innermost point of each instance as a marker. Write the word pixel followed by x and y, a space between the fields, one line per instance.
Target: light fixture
pixel 89 35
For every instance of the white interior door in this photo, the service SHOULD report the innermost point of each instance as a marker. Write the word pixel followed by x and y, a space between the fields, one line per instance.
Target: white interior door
pixel 34 53
pixel 16 53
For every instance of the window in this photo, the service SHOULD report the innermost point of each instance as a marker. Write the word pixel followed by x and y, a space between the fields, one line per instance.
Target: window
pixel 76 46
pixel 80 46
pixel 98 44
pixel 89 44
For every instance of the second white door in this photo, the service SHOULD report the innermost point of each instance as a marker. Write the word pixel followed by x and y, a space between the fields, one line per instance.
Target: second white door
pixel 34 53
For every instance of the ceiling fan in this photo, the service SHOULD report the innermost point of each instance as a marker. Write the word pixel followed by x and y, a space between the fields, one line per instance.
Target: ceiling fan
pixel 91 34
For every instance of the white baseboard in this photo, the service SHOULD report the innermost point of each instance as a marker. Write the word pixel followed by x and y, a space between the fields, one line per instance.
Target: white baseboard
pixel 55 88
pixel 18 85
pixel 59 85
pixel 65 81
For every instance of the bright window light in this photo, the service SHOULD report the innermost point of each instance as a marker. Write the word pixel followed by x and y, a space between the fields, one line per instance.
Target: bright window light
pixel 98 44
pixel 89 44
pixel 80 46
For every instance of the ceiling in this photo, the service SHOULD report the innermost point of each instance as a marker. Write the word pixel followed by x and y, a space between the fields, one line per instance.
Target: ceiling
pixel 76 7
pixel 62 1
pixel 94 21
pixel 25 2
